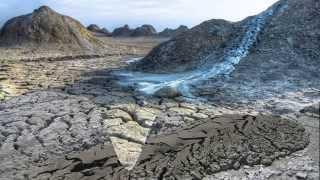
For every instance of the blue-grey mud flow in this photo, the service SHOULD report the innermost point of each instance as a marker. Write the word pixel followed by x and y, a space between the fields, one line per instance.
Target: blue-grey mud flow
pixel 149 84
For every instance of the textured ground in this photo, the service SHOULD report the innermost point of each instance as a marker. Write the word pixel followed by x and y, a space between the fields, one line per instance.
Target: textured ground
pixel 73 113
pixel 95 113
pixel 23 70
pixel 39 129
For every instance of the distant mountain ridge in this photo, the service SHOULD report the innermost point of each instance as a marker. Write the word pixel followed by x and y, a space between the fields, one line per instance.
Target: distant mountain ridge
pixel 168 32
pixel 126 31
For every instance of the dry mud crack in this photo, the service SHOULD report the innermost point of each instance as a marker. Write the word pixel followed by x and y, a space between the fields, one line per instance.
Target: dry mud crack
pixel 223 143
pixel 53 135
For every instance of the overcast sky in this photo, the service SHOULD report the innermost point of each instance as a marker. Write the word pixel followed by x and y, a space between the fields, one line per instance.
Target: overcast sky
pixel 160 13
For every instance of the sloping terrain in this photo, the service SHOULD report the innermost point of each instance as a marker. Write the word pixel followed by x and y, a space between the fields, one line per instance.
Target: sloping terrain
pixel 290 39
pixel 273 52
pixel 288 48
pixel 72 119
pixel 45 28
pixel 187 50
pixel 284 58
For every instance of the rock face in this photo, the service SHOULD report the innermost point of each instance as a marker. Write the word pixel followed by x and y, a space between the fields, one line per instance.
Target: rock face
pixel 287 46
pixel 187 50
pixel 124 31
pixel 173 32
pixel 144 30
pixel 99 31
pixel 46 28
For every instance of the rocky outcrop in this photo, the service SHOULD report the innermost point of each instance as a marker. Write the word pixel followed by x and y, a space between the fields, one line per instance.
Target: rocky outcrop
pixel 144 30
pixel 46 28
pixel 124 31
pixel 99 31
pixel 173 32
pixel 93 28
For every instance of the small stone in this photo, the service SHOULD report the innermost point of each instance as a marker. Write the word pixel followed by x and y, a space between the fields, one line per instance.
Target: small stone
pixel 199 116
pixel 168 92
pixel 236 165
pixel 215 167
pixel 117 113
pixel 182 111
pixel 301 175
pixel 266 161
pixel 145 117
pixel 188 106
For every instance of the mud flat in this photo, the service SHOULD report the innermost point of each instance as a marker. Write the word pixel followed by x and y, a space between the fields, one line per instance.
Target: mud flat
pixel 50 135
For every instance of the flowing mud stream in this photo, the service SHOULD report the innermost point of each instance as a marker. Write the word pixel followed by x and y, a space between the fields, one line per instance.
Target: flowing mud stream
pixel 150 84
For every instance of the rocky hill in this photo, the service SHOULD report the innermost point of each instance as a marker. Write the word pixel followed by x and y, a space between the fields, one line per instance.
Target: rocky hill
pixel 99 31
pixel 187 50
pixel 144 30
pixel 124 31
pixel 287 45
pixel 288 48
pixel 173 32
pixel 46 28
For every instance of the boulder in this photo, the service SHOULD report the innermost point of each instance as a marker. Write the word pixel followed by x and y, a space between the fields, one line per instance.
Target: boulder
pixel 168 92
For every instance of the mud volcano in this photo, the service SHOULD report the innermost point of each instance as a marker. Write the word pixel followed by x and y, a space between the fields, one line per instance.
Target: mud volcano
pixel 277 46
pixel 46 28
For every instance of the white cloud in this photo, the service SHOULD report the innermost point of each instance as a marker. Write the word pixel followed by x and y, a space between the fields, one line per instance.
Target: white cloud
pixel 161 13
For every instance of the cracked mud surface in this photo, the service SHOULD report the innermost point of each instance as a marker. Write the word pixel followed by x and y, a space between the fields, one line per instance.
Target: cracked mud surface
pixel 83 125
pixel 39 129
pixel 223 143
pixel 44 126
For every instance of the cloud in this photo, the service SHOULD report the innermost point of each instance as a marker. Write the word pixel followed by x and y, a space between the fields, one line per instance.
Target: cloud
pixel 161 13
